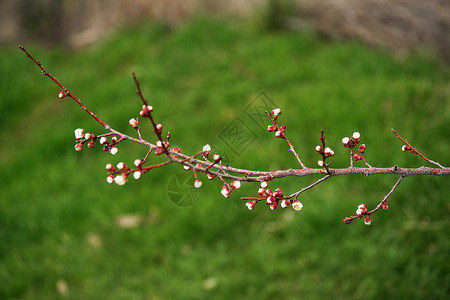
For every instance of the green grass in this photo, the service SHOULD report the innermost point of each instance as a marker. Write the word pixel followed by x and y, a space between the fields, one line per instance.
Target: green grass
pixel 58 215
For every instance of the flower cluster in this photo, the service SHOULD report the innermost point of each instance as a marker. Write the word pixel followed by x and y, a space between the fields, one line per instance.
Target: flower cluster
pixel 89 138
pixel 324 151
pixel 273 198
pixel 353 141
pixel 279 130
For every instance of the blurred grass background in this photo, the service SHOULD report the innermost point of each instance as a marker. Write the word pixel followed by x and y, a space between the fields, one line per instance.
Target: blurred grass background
pixel 61 225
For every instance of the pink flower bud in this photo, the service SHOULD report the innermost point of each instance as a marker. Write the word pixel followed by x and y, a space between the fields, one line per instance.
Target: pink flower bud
pixel 357 157
pixel 348 220
pixel 362 148
pixel 279 134
pixel 137 163
pixel 62 95
pixel 406 148
pixel 318 148
pixel 236 184
pixel 197 183
pixel 159 128
pixel 269 177
pixel 225 192
pixel 276 112
pixel 216 157
pixel 273 205
pixel 262 192
pixel 114 139
pixel 356 135
pixel 133 123
pixel 328 152
pixel 114 150
pixel 271 128
pixel 297 205
pixel 122 166
pixel 186 168
pixel 110 167
pixel 384 205
pixel 362 210
pixel 91 144
pixel 79 133
pixel 79 146
pixel 368 220
pixel 159 151
pixel 285 203
pixel 250 205
pixel 89 136
pixel 263 184
pixel 278 193
pixel 346 142
pixel 176 149
pixel 110 179
pixel 149 108
pixel 159 144
pixel 206 149
pixel 320 163
pixel 270 200
pixel 103 140
pixel 210 176
pixel 137 174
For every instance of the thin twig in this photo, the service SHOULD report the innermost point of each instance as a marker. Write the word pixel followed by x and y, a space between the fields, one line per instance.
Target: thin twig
pixel 415 150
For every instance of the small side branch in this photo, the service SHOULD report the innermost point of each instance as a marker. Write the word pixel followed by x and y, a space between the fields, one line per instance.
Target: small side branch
pixel 413 150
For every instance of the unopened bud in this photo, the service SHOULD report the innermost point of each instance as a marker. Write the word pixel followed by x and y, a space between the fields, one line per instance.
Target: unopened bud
pixel 159 128
pixel 362 148
pixel 368 220
pixel 225 192
pixel 346 142
pixel 79 146
pixel 110 179
pixel 103 140
pixel 285 203
pixel 91 144
pixel 137 174
pixel 137 163
pixel 357 157
pixel 251 205
pixel 271 128
pixel 122 166
pixel 113 150
pixel 236 184
pixel 62 95
pixel 197 183
pixel 110 167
